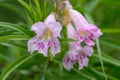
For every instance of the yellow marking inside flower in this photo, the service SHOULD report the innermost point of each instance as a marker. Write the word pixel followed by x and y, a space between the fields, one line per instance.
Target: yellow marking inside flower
pixel 49 34
pixel 83 33
pixel 66 19
pixel 46 34
pixel 66 12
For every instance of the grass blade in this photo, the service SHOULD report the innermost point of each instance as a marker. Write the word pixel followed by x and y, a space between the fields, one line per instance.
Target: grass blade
pixel 100 56
pixel 25 5
pixel 109 59
pixel 15 27
pixel 10 68
pixel 38 8
pixel 13 37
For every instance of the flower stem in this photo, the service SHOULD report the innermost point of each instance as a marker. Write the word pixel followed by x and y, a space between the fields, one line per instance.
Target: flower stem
pixel 100 56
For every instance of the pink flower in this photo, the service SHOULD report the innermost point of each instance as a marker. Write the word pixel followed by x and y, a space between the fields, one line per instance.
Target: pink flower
pixel 69 60
pixel 86 32
pixel 71 33
pixel 46 36
pixel 80 30
pixel 82 56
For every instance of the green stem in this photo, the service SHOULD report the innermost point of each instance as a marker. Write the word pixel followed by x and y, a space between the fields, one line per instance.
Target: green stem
pixel 100 56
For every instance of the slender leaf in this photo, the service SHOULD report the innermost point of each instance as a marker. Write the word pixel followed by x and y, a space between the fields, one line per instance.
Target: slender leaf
pixel 15 27
pixel 110 43
pixel 13 37
pixel 109 59
pixel 11 44
pixel 111 30
pixel 84 75
pixel 25 5
pixel 10 68
pixel 100 56
pixel 101 74
pixel 38 8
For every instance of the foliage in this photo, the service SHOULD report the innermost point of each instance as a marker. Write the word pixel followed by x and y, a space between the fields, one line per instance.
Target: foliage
pixel 16 18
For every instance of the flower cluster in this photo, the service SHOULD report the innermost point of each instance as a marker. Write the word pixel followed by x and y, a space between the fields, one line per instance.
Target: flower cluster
pixel 78 28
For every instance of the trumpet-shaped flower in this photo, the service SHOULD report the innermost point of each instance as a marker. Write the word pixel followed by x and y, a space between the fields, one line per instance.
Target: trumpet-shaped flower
pixel 71 33
pixel 82 56
pixel 79 29
pixel 46 36
pixel 86 32
pixel 70 58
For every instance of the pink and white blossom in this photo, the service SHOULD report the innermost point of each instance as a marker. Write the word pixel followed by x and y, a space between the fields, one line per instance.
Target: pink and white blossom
pixel 46 36
pixel 82 56
pixel 69 60
pixel 82 31
pixel 86 32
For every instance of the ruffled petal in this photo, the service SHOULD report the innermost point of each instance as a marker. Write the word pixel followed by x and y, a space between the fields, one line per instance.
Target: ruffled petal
pixel 85 61
pixel 82 56
pixel 43 47
pixel 82 60
pixel 54 46
pixel 95 32
pixel 89 42
pixel 67 63
pixel 32 44
pixel 81 65
pixel 36 44
pixel 88 50
pixel 55 28
pixel 38 28
pixel 69 60
pixel 72 55
pixel 50 18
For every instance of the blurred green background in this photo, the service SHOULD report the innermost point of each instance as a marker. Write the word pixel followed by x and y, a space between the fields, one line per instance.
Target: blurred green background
pixel 15 25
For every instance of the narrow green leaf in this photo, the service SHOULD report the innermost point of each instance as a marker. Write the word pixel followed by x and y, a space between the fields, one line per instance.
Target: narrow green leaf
pixel 38 8
pixel 6 32
pixel 84 75
pixel 15 27
pixel 100 56
pixel 14 8
pixel 2 57
pixel 111 2
pixel 111 30
pixel 101 74
pixel 91 5
pixel 11 44
pixel 29 18
pixel 109 59
pixel 25 5
pixel 10 68
pixel 13 37
pixel 12 26
pixel 110 43
pixel 33 12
